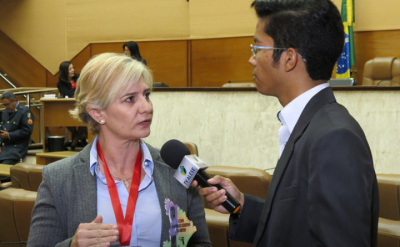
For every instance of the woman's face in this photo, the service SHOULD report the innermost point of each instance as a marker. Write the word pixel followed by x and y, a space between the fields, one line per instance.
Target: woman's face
pixel 129 116
pixel 71 71
pixel 127 51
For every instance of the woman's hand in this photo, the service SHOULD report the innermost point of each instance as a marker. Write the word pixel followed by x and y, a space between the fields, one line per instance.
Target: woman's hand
pixel 215 197
pixel 95 234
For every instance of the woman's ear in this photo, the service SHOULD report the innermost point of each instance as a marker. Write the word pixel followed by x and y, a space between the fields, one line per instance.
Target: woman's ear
pixel 96 114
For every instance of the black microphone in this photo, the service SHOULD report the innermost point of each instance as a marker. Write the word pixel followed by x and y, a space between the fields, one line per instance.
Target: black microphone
pixel 190 167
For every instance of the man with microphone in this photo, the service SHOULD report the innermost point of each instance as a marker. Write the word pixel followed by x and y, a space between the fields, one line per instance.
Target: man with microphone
pixel 324 189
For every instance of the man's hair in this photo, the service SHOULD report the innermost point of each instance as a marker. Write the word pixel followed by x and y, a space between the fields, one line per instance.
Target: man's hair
pixel 312 27
pixel 8 95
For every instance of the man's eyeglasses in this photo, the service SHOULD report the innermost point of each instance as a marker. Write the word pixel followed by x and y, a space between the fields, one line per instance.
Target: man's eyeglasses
pixel 6 104
pixel 255 48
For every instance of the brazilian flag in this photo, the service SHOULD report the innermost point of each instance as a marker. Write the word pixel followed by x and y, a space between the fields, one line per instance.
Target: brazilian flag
pixel 347 59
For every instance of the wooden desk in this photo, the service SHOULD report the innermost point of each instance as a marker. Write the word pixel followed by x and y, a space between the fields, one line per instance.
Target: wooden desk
pixel 5 169
pixel 55 114
pixel 49 157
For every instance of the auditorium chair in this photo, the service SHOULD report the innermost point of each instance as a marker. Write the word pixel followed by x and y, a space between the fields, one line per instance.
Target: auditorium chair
pixel 249 180
pixel 389 210
pixel 15 213
pixel 29 176
pixel 382 71
pixel 192 148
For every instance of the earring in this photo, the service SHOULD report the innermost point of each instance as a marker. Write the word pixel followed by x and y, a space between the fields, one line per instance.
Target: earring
pixel 101 121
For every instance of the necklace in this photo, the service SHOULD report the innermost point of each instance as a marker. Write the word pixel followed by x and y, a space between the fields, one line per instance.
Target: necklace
pixel 125 181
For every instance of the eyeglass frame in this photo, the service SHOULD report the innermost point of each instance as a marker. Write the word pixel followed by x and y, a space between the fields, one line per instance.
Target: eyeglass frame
pixel 254 49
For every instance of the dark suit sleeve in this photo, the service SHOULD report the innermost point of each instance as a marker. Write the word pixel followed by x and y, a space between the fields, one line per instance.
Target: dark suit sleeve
pixel 341 181
pixel 243 227
pixel 25 129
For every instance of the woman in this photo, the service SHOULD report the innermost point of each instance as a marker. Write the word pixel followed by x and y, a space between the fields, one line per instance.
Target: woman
pixel 112 98
pixel 66 86
pixel 67 79
pixel 131 48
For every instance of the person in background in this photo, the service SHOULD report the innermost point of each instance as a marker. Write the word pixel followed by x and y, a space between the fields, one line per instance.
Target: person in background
pixel 324 189
pixel 16 129
pixel 131 48
pixel 82 199
pixel 67 81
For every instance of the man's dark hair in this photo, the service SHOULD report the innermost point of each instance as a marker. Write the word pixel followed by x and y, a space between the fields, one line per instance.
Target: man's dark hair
pixel 134 49
pixel 313 28
pixel 8 95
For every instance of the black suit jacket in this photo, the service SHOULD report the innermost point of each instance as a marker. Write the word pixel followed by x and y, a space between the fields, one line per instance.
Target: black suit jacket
pixel 65 88
pixel 323 191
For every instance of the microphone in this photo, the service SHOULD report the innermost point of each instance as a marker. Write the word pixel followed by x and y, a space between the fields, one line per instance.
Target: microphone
pixel 190 167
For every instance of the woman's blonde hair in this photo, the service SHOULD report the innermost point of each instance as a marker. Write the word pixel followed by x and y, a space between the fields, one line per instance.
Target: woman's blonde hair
pixel 102 79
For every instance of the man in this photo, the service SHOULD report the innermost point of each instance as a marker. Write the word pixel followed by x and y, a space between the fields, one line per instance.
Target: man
pixel 16 129
pixel 324 189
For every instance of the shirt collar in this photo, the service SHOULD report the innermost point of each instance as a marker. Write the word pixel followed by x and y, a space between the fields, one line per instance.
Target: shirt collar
pixel 147 162
pixel 290 114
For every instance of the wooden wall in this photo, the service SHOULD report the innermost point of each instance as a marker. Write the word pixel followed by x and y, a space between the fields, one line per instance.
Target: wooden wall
pixel 184 63
pixel 369 45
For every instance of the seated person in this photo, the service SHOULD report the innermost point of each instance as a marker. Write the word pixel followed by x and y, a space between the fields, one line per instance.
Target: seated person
pixel 67 80
pixel 83 198
pixel 16 129
pixel 131 49
pixel 66 85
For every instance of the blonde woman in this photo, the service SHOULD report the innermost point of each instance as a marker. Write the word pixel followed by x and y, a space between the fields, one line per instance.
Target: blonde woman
pixel 77 204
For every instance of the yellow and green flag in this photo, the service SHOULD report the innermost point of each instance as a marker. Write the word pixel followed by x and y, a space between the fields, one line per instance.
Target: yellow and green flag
pixel 347 59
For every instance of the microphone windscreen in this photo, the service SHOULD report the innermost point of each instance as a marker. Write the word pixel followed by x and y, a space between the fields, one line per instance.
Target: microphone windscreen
pixel 173 151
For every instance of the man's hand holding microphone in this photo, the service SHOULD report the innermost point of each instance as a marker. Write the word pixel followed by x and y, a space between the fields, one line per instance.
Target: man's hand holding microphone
pixel 219 192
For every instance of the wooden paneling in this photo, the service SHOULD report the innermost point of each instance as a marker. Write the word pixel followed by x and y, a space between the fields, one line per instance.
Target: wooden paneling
pixel 21 68
pixel 78 61
pixel 369 45
pixel 166 59
pixel 106 47
pixel 183 63
pixel 81 59
pixel 218 61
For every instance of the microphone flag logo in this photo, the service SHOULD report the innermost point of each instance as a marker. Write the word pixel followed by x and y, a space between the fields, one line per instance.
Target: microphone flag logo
pixel 181 228
pixel 182 170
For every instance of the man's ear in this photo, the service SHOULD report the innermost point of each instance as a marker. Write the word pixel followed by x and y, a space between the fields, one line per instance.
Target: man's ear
pixel 291 57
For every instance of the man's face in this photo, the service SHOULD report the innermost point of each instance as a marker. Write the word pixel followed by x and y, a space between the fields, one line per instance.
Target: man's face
pixel 9 105
pixel 266 73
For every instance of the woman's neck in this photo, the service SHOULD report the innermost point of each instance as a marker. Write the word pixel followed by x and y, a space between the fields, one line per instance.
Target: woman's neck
pixel 120 155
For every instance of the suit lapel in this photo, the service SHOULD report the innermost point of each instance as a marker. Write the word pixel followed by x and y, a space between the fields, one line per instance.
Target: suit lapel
pixel 161 177
pixel 322 98
pixel 86 187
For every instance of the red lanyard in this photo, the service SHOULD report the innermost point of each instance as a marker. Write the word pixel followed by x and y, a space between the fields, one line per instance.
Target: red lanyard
pixel 124 225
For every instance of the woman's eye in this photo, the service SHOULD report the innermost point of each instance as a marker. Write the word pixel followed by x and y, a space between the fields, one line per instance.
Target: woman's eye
pixel 129 99
pixel 147 95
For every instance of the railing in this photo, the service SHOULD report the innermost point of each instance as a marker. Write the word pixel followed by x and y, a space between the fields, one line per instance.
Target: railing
pixel 26 92
pixel 4 76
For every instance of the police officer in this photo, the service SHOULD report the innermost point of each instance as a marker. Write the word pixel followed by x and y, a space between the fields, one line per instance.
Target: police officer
pixel 16 129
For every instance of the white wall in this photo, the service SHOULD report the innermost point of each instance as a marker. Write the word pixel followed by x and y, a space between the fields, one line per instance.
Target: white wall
pixel 241 128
